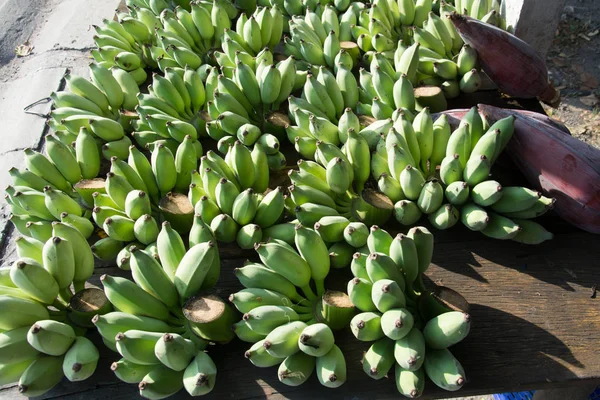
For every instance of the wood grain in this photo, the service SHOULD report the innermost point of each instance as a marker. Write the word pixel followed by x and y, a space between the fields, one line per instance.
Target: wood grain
pixel 534 324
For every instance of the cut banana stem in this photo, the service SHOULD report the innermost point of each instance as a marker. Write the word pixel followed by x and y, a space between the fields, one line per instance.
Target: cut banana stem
pixel 335 309
pixel 210 318
pixel 177 209
pixel 86 304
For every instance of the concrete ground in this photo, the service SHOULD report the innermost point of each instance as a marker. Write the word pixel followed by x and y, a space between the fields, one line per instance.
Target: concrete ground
pixel 60 35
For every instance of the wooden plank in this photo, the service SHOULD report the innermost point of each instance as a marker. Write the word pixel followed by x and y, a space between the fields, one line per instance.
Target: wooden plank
pixel 534 325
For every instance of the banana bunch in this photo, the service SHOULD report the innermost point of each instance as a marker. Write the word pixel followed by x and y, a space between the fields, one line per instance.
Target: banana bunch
pixel 387 288
pixel 158 328
pixel 300 7
pixel 324 38
pixel 185 37
pixel 54 186
pixel 395 84
pixel 243 96
pixel 139 194
pixel 39 345
pixel 252 36
pixel 487 11
pixel 103 106
pixel 126 43
pixel 172 110
pixel 426 168
pixel 156 6
pixel 338 174
pixel 227 195
pixel 419 41
pixel 285 326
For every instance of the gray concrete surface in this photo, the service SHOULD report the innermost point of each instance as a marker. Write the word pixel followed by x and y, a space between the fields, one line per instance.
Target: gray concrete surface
pixel 17 23
pixel 61 35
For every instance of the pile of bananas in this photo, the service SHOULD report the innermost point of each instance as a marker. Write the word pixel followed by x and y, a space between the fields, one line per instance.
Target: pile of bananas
pixel 465 157
pixel 323 38
pixel 55 187
pixel 126 43
pixel 423 44
pixel 326 95
pixel 161 213
pixel 97 106
pixel 41 338
pixel 172 110
pixel 186 38
pixel 139 193
pixel 387 288
pixel 162 327
pixel 299 7
pixel 243 106
pixel 252 36
pixel 288 328
pixel 228 195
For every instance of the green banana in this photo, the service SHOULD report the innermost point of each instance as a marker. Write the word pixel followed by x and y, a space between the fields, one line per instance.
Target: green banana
pixel 444 370
pixel 282 341
pixel 195 265
pixel 409 351
pixel 296 369
pixel 487 193
pixel 51 337
pixel 20 312
pixel 41 375
pixel 80 360
pixel 33 279
pixel 474 217
pixel 128 297
pixel 366 326
pixel 386 295
pixel 316 340
pixel 410 383
pixel 58 259
pixel 150 276
pixel 331 368
pixel 264 319
pixel 160 382
pixel 446 329
pixel 199 377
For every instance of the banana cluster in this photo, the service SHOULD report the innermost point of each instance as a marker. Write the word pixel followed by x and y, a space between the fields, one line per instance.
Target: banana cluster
pixel 139 193
pixel 53 187
pixel 40 345
pixel 299 7
pixel 426 168
pixel 101 106
pixel 386 289
pixel 227 195
pixel 158 331
pixel 172 110
pixel 252 35
pixel 242 95
pixel 333 181
pixel 322 37
pixel 186 36
pixel 487 11
pixel 243 106
pixel 126 43
pixel 419 41
pixel 283 324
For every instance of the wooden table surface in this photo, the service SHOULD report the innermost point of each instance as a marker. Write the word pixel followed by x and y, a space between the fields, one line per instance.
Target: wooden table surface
pixel 534 325
pixel 535 322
